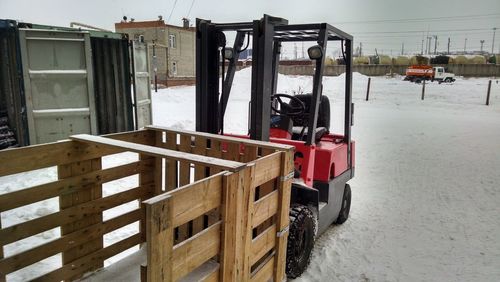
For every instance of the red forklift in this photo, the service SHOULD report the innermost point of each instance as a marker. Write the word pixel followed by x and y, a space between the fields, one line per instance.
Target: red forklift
pixel 324 161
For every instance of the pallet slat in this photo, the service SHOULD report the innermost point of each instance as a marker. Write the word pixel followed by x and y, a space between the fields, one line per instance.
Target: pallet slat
pixel 265 208
pixel 195 251
pixel 159 152
pixel 59 153
pixel 263 244
pixel 267 168
pixel 19 231
pixel 66 242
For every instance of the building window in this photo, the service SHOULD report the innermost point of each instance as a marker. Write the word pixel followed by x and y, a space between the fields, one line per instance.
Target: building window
pixel 174 68
pixel 171 41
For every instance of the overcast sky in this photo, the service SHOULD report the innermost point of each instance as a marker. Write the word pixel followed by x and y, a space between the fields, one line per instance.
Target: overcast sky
pixel 371 22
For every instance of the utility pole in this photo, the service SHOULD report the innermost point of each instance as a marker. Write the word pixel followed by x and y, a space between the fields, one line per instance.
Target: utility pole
pixel 493 41
pixel 303 55
pixel 295 50
pixel 402 49
pixel 465 46
pixel 482 42
pixel 435 43
pixel 360 49
pixel 429 43
pixel 448 45
pixel 422 48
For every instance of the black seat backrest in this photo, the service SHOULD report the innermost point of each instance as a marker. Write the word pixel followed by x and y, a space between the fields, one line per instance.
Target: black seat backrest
pixel 323 111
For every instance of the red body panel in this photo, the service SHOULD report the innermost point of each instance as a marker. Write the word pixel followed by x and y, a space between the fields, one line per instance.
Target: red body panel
pixel 322 162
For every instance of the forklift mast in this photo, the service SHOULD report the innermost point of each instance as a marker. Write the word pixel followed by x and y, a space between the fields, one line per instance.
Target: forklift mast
pixel 213 83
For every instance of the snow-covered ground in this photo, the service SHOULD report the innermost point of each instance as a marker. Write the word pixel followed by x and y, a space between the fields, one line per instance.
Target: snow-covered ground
pixel 426 195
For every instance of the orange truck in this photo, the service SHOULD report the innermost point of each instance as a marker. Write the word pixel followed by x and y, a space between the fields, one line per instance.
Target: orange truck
pixel 418 73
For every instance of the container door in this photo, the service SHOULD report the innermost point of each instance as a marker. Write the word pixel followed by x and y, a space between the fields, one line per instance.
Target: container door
pixel 142 86
pixel 58 81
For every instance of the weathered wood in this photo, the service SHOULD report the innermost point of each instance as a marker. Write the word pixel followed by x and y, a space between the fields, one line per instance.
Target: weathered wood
pixel 59 153
pixel 265 208
pixel 2 273
pixel 158 170
pixel 84 264
pixel 223 138
pixel 69 185
pixel 159 152
pixel 193 200
pixel 66 242
pixel 160 240
pixel 263 244
pixel 184 179
pixel 267 168
pixel 282 219
pixel 22 230
pixel 265 272
pixel 195 251
pixel 69 201
pixel 170 164
pixel 231 263
pixel 199 173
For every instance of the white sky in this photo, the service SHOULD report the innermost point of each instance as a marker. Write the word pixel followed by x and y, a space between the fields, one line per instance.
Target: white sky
pixel 353 16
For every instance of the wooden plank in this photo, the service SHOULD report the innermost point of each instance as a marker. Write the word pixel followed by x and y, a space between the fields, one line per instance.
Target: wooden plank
pixel 35 226
pixel 170 164
pixel 200 148
pixel 236 200
pixel 185 166
pixel 223 138
pixel 265 273
pixel 282 218
pixel 207 272
pixel 267 168
pixel 68 201
pixel 215 151
pixel 184 179
pixel 193 200
pixel 59 153
pixel 84 264
pixel 159 152
pixel 158 170
pixel 160 240
pixel 195 251
pixel 231 264
pixel 196 199
pixel 265 208
pixel 233 152
pixel 262 244
pixel 69 185
pixel 66 242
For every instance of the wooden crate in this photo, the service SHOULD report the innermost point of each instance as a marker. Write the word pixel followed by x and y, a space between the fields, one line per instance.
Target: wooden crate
pixel 207 199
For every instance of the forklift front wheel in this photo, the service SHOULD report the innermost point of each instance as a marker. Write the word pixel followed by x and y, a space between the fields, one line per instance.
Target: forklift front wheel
pixel 346 205
pixel 301 239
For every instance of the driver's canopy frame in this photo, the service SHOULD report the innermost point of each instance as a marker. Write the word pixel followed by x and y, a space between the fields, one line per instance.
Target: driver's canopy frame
pixel 268 33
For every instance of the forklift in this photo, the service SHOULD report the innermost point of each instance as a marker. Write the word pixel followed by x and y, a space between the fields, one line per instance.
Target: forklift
pixel 324 161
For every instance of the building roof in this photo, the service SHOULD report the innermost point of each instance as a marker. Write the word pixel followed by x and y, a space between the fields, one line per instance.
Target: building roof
pixel 149 24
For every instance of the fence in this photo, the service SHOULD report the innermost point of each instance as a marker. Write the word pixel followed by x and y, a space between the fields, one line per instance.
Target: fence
pixel 210 202
pixel 478 70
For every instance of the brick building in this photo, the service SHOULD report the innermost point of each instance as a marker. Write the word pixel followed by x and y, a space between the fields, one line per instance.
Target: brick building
pixel 173 46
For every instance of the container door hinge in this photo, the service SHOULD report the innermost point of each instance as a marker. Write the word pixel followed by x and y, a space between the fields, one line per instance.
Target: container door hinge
pixel 288 176
pixel 283 231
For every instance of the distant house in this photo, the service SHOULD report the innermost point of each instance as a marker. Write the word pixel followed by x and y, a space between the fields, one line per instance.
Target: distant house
pixel 173 48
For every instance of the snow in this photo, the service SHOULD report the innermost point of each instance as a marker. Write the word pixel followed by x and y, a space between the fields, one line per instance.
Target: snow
pixel 426 194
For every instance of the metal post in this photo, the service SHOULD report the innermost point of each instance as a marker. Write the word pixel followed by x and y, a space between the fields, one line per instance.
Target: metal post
pixel 155 67
pixel 493 41
pixel 368 89
pixel 348 100
pixel 423 90
pixel 488 94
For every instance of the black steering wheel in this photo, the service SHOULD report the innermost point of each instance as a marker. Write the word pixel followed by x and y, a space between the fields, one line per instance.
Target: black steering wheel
pixel 285 108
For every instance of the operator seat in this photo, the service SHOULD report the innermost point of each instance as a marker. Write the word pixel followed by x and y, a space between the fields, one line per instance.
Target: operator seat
pixel 300 122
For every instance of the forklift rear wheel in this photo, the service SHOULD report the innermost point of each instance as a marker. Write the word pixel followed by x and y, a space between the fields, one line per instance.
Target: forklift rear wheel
pixel 301 239
pixel 346 205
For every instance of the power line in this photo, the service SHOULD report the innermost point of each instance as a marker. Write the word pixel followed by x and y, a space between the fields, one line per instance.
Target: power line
pixel 172 11
pixel 418 31
pixel 464 17
pixel 189 12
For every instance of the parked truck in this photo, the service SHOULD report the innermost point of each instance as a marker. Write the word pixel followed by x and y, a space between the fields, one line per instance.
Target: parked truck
pixel 418 73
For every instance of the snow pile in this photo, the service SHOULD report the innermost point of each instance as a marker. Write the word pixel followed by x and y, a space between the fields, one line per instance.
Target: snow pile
pixel 426 194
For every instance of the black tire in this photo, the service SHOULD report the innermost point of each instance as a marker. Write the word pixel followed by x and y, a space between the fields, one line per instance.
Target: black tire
pixel 447 80
pixel 418 80
pixel 303 226
pixel 346 205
